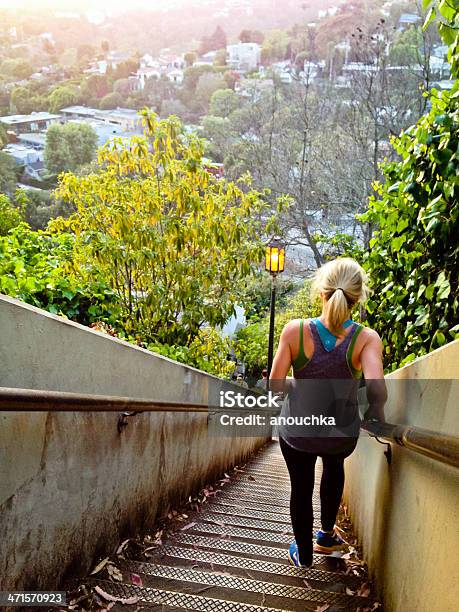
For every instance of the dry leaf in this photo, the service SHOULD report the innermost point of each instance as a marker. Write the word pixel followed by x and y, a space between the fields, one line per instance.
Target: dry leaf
pixel 114 572
pixel 364 590
pixel 136 579
pixel 349 591
pixel 99 566
pixel 108 597
pixel 121 547
pixel 188 526
pixel 322 608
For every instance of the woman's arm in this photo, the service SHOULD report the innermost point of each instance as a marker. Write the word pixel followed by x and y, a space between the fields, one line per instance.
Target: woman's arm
pixel 372 366
pixel 282 361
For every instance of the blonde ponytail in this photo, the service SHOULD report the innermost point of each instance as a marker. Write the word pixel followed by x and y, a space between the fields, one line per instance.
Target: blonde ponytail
pixel 344 283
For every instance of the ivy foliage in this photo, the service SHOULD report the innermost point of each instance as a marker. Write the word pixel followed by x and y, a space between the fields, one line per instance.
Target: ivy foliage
pixel 414 256
pixel 33 269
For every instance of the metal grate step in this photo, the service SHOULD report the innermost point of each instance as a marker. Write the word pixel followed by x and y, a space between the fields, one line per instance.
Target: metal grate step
pixel 182 601
pixel 247 585
pixel 275 571
pixel 244 548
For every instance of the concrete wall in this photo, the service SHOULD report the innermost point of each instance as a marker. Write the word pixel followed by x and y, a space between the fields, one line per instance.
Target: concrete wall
pixel 70 486
pixel 405 514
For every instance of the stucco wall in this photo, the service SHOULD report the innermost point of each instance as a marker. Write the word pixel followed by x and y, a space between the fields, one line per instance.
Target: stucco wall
pixel 405 514
pixel 70 486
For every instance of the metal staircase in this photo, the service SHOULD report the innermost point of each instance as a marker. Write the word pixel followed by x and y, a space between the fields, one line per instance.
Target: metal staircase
pixel 232 556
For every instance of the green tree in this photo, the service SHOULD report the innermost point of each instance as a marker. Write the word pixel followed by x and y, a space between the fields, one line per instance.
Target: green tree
pixel 223 102
pixel 96 86
pixel 124 69
pixel 10 216
pixel 61 97
pixel 9 171
pixel 111 100
pixel 172 240
pixel 3 137
pixel 215 41
pixel 69 146
pixel 190 57
pixel 123 87
pixel 275 46
pixel 21 100
pixel 85 52
pixel 192 76
pixel 18 68
pixel 252 36
pixel 414 258
pixel 208 84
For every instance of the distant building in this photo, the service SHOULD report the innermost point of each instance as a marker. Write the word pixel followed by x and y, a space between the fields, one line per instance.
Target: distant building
pixel 408 20
pixel 104 131
pixel 312 71
pixel 34 140
pixel 34 122
pixel 23 155
pixel 126 118
pixel 439 66
pixel 143 74
pixel 243 56
pixel 176 76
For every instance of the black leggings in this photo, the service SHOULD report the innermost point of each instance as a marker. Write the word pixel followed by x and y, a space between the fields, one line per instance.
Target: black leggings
pixel 301 467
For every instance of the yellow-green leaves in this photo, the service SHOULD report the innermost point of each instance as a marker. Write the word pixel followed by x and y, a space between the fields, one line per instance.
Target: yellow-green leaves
pixel 171 239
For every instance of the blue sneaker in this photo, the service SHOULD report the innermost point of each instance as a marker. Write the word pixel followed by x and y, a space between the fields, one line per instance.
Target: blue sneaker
pixel 327 543
pixel 294 555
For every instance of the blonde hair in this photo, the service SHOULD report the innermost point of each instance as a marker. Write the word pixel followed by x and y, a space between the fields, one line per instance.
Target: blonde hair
pixel 344 283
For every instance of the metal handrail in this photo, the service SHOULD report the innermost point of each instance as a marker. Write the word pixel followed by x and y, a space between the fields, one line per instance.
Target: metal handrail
pixel 13 399
pixel 433 444
pixel 439 446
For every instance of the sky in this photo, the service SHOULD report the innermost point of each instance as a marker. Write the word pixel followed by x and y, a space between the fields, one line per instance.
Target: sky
pixel 84 5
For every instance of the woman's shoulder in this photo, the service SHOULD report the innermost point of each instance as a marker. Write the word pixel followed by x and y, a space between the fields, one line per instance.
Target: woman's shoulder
pixel 368 334
pixel 292 327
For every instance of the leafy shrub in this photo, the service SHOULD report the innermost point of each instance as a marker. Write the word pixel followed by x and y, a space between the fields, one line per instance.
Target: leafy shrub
pixel 413 261
pixel 33 269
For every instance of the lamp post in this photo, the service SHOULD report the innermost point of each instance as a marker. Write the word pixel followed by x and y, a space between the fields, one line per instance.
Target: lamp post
pixel 274 264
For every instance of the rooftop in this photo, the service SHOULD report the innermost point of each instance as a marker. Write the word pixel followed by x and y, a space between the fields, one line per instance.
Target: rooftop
pixel 18 119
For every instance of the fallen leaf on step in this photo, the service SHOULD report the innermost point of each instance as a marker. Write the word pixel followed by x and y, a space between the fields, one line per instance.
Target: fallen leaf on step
pixel 322 608
pixel 99 566
pixel 250 477
pixel 136 579
pixel 364 590
pixel 108 597
pixel 188 526
pixel 121 547
pixel 349 591
pixel 114 572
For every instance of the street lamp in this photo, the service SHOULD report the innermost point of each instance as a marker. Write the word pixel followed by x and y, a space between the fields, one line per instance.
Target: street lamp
pixel 274 264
